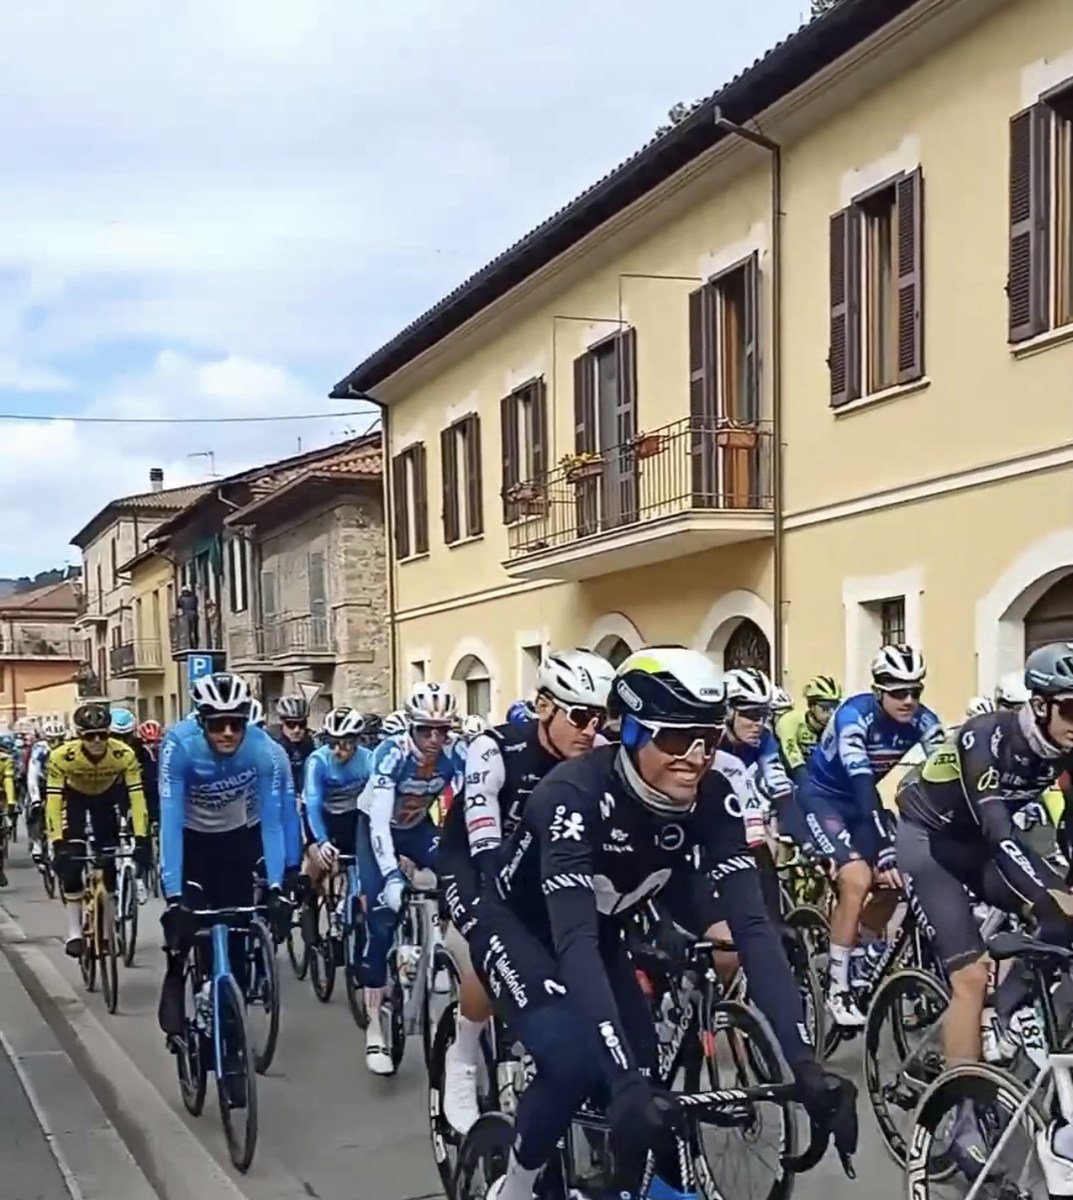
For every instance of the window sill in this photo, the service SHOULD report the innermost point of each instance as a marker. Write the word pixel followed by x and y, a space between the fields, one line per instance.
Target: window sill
pixel 1043 341
pixel 876 398
pixel 466 541
pixel 412 558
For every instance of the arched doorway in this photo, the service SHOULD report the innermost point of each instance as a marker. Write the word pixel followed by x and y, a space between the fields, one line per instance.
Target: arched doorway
pixel 614 649
pixel 747 646
pixel 1050 619
pixel 474 685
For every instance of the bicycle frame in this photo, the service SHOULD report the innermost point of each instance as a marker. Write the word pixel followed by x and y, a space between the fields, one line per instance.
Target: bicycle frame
pixel 220 932
pixel 423 902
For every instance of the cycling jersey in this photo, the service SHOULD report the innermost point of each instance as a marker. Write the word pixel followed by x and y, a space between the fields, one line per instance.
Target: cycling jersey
pixel 71 770
pixel 332 787
pixel 297 754
pixel 35 775
pixel 797 739
pixel 292 822
pixel 751 805
pixel 208 793
pixel 587 855
pixel 7 778
pixel 763 759
pixel 402 789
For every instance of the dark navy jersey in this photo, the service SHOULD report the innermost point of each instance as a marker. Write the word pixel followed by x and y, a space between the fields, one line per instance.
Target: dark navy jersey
pixel 587 854
pixel 297 753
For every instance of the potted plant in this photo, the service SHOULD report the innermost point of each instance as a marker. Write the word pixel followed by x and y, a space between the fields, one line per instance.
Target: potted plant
pixel 647 445
pixel 736 437
pixel 578 467
pixel 527 496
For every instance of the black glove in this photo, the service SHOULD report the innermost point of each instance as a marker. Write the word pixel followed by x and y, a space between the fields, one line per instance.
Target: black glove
pixel 831 1104
pixel 178 922
pixel 280 912
pixel 143 853
pixel 642 1116
pixel 292 883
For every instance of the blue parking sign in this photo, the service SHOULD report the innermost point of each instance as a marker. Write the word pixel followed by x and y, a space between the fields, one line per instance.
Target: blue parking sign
pixel 198 666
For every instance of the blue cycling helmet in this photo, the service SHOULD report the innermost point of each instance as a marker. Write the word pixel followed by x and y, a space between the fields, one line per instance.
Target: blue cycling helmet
pixel 122 722
pixel 520 712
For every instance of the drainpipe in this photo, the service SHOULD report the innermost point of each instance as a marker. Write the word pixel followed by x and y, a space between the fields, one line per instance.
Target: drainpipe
pixel 775 150
pixel 389 536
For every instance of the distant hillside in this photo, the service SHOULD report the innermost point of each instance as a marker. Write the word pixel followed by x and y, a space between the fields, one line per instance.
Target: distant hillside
pixel 24 583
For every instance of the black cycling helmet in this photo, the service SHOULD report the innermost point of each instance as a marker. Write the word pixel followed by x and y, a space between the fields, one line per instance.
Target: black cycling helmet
pixel 669 685
pixel 93 718
pixel 1049 670
pixel 371 729
pixel 292 708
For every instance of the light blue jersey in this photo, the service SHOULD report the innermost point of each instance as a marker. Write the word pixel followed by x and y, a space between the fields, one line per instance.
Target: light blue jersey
pixel 292 822
pixel 206 792
pixel 334 787
pixel 861 745
pixel 402 789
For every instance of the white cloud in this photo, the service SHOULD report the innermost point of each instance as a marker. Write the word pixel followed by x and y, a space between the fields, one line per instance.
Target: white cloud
pixel 282 185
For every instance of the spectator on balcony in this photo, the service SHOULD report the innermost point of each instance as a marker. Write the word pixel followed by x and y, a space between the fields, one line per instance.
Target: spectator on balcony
pixel 188 614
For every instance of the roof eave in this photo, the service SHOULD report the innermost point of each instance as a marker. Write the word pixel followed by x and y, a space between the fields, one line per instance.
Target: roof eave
pixel 258 510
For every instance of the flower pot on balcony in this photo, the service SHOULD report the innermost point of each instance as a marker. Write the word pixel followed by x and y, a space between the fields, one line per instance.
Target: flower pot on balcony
pixel 647 445
pixel 527 498
pixel 580 471
pixel 738 438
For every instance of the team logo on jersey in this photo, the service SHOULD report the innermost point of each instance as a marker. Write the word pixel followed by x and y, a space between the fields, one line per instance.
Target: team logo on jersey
pixel 671 838
pixel 988 781
pixel 566 827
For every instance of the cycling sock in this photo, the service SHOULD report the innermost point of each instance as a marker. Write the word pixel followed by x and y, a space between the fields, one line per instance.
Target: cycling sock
pixel 518 1181
pixel 838 967
pixel 74 921
pixel 468 1039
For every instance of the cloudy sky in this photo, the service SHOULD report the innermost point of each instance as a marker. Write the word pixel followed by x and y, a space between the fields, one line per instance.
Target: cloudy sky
pixel 216 209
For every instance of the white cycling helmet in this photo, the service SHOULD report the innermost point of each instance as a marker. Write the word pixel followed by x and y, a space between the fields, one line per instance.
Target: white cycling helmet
pixel 746 687
pixel 1010 691
pixel 898 666
pixel 221 693
pixel 393 724
pixel 473 725
pixel 979 705
pixel 53 729
pixel 781 701
pixel 430 704
pixel 344 723
pixel 576 677
pixel 257 712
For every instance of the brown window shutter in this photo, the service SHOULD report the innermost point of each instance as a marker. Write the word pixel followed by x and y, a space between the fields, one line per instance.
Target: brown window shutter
pixel 911 277
pixel 843 359
pixel 401 503
pixel 702 419
pixel 628 498
pixel 752 335
pixel 508 429
pixel 1028 282
pixel 584 405
pixel 449 479
pixel 474 488
pixel 539 401
pixel 420 461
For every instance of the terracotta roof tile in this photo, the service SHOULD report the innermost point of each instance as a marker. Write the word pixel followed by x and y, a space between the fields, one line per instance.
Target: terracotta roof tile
pixel 53 596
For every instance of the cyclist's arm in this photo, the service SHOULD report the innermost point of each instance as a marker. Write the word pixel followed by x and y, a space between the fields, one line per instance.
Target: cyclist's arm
pixel 485 777
pixel 787 730
pixel 313 797
pixel 54 781
pixel 980 774
pixel 139 810
pixel 270 796
pixel 292 824
pixel 852 751
pixel 567 868
pixel 770 771
pixel 173 762
pixel 8 776
pixel 388 761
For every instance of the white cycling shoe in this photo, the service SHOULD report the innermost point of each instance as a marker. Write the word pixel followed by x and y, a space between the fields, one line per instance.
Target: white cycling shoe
pixel 1057 1169
pixel 459 1092
pixel 377 1058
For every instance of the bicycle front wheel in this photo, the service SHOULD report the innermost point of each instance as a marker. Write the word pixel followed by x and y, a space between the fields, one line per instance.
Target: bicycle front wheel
pixel 108 950
pixel 236 1081
pixel 262 995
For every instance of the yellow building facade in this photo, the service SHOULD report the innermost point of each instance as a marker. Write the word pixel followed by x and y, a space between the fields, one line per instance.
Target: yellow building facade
pixel 778 397
pixel 143 659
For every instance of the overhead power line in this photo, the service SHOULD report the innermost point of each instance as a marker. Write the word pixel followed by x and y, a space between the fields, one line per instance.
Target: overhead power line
pixel 81 420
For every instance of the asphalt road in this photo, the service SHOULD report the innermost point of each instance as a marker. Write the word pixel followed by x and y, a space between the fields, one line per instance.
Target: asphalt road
pixel 328 1129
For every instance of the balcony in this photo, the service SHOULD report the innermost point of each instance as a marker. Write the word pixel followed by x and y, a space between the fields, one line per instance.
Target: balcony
pixel 285 641
pixel 89 609
pixel 132 659
pixel 41 648
pixel 693 485
pixel 189 635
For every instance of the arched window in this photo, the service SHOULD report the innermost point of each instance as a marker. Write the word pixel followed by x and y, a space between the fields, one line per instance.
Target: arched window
pixel 1050 619
pixel 747 646
pixel 614 649
pixel 474 686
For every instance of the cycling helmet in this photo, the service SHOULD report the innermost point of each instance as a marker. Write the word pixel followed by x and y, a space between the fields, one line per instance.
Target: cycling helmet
pixel 1049 670
pixel 430 704
pixel 343 722
pixel 1011 691
pixel 257 712
pixel 221 693
pixel 292 708
pixel 473 725
pixel 898 666
pixel 92 718
pixel 979 705
pixel 393 724
pixel 823 688
pixel 53 731
pixel 520 712
pixel 668 685
pixel 150 731
pixel 781 701
pixel 372 727
pixel 576 677
pixel 123 722
pixel 746 687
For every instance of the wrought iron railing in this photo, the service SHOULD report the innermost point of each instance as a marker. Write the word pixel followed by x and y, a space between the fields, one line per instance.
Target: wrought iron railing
pixel 194 633
pixel 697 464
pixel 284 637
pixel 141 655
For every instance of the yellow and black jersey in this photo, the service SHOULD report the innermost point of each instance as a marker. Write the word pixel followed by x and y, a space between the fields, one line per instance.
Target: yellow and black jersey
pixel 7 778
pixel 70 769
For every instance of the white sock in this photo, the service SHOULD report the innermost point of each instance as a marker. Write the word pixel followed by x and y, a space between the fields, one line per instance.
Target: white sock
pixel 468 1040
pixel 374 1034
pixel 74 920
pixel 838 967
pixel 518 1181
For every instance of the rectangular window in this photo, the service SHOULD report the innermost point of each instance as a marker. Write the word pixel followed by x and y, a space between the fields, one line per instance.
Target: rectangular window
pixel 478 697
pixel 892 621
pixel 523 423
pixel 115 560
pixel 409 496
pixel 531 657
pixel 237 587
pixel 417 672
pixel 877 290
pixel 460 460
pixel 1039 286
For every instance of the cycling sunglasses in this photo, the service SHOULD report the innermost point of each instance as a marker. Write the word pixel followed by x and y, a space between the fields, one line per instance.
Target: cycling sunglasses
pixel 1064 707
pixel 679 741
pixel 95 735
pixel 904 693
pixel 581 716
pixel 295 724
pixel 432 730
pixel 753 712
pixel 224 724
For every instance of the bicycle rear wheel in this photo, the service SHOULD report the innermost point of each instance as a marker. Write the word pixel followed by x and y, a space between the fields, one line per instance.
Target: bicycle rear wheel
pixel 88 960
pixel 192 1051
pixel 262 994
pixel 48 878
pixel 353 949
pixel 236 1080
pixel 108 951
pixel 127 914
pixel 322 957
